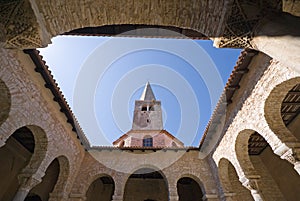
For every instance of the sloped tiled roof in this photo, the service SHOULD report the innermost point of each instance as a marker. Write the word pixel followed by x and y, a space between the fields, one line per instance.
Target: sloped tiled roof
pixel 50 83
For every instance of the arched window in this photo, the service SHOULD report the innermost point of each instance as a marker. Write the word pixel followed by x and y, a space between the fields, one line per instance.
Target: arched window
pixel 147 141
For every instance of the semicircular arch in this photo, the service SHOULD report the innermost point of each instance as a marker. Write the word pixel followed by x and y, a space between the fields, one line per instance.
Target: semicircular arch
pixel 241 151
pixel 230 182
pixel 40 149
pixel 273 110
pixel 64 170
pixel 100 13
pixel 195 178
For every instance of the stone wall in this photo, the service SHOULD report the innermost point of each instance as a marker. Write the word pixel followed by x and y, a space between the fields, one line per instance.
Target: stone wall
pixel 119 165
pixel 256 107
pixel 32 106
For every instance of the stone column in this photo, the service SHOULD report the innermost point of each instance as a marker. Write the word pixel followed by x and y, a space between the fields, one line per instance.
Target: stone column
pixel 251 183
pixel 278 35
pixel 120 182
pixel 27 182
pixel 173 195
pixel 210 197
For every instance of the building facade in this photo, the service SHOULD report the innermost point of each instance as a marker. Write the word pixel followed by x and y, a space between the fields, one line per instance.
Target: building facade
pixel 250 149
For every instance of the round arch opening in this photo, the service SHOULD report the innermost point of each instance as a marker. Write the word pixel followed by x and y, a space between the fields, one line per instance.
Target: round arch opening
pixel 139 30
pixel 146 184
pixel 282 109
pixel 14 157
pixel 278 180
pixel 45 188
pixel 101 189
pixel 230 182
pixel 189 190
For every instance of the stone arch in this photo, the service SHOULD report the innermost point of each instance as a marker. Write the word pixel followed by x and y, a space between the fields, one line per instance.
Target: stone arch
pixel 100 13
pixel 103 183
pixel 147 166
pixel 264 172
pixel 194 177
pixel 190 185
pixel 15 155
pixel 40 149
pixel 232 188
pixel 149 183
pixel 60 186
pixel 5 103
pixel 273 110
pixel 241 151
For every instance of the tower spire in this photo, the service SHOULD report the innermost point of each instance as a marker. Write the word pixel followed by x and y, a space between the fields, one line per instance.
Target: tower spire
pixel 147 93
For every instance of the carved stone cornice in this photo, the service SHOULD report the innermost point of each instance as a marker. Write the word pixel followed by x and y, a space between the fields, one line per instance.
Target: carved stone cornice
pixel 242 17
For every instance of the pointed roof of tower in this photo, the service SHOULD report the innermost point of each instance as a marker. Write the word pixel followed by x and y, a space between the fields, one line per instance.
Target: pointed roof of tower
pixel 148 93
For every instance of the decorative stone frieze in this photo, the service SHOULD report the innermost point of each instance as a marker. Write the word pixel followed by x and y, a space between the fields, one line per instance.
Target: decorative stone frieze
pixel 20 27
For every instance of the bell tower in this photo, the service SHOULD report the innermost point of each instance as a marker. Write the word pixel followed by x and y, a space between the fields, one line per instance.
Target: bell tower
pixel 147 125
pixel 147 112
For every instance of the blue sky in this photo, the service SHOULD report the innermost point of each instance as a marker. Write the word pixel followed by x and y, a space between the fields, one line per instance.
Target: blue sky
pixel 102 76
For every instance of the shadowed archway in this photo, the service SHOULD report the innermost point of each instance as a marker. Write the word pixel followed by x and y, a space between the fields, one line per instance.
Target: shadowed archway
pixel 146 184
pixel 43 189
pixel 189 190
pixel 14 156
pixel 101 189
pixel 232 188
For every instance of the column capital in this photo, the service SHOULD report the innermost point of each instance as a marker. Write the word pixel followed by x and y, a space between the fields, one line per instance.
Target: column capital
pixel 28 182
pixel 289 152
pixel 250 182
